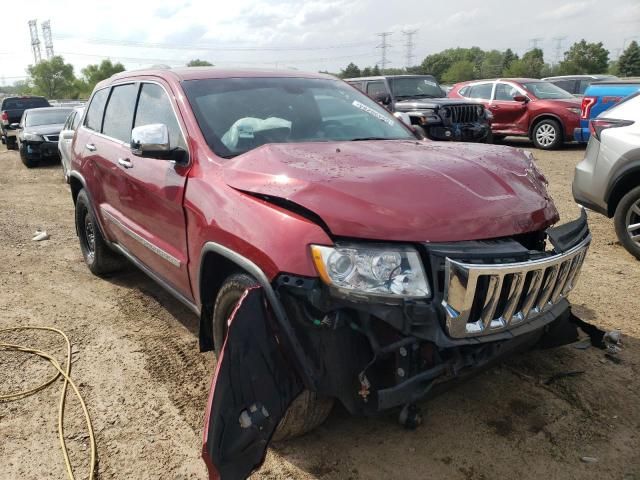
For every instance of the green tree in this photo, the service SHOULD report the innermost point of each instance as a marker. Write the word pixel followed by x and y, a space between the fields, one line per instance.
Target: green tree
pixel 492 64
pixel 584 58
pixel 52 78
pixel 508 58
pixel 629 62
pixel 351 71
pixel 367 72
pixel 376 71
pixel 530 65
pixel 459 72
pixel 97 72
pixel 199 63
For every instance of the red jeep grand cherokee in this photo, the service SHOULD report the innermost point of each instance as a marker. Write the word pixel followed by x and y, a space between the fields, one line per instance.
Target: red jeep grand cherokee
pixel 344 258
pixel 525 107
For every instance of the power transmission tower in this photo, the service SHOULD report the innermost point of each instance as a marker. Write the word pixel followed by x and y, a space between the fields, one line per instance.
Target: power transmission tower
pixel 46 35
pixel 558 41
pixel 409 34
pixel 535 42
pixel 383 47
pixel 35 41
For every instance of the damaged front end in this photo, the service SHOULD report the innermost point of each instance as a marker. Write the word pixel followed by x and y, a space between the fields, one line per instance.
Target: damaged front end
pixel 483 300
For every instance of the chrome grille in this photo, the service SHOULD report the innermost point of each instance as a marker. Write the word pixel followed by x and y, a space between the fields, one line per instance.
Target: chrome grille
pixel 463 113
pixel 51 138
pixel 482 299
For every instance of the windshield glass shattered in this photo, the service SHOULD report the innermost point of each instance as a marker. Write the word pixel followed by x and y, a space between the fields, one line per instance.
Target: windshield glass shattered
pixel 239 114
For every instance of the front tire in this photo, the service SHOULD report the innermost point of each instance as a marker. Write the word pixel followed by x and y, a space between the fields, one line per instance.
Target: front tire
pixel 627 222
pixel 547 135
pixel 309 410
pixel 100 259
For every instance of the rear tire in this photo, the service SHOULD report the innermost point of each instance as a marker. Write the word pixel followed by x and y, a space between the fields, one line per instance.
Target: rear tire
pixel 309 410
pixel 11 142
pixel 626 218
pixel 547 134
pixel 100 259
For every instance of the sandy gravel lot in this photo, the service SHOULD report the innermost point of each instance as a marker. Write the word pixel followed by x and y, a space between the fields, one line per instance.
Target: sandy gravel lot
pixel 146 384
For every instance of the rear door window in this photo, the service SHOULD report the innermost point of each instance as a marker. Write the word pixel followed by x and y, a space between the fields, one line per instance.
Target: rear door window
pixel 95 113
pixel 154 106
pixel 375 88
pixel 118 116
pixel 482 91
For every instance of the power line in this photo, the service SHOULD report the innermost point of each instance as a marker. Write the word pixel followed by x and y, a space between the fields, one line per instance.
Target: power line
pixel 35 41
pixel 409 34
pixel 383 47
pixel 217 48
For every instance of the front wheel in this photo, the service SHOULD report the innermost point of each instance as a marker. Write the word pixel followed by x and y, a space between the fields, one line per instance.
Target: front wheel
pixel 547 135
pixel 627 222
pixel 309 410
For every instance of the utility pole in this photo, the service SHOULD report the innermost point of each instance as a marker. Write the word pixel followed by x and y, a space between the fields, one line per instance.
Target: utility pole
pixel 535 42
pixel 35 41
pixel 383 47
pixel 46 35
pixel 409 34
pixel 558 41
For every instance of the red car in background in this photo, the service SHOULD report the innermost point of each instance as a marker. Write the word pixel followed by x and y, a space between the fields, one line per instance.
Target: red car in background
pixel 525 107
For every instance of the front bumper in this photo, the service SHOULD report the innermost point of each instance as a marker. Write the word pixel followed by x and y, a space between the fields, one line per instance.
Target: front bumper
pixel 460 132
pixel 374 356
pixel 37 150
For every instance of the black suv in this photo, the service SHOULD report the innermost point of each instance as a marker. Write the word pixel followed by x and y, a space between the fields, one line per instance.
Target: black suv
pixel 420 101
pixel 11 111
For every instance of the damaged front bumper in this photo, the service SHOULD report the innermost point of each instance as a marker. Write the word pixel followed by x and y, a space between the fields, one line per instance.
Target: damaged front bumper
pixel 491 298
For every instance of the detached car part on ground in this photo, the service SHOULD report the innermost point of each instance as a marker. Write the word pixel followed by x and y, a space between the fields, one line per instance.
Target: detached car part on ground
pixel 419 101
pixel 377 266
pixel 39 132
pixel 608 179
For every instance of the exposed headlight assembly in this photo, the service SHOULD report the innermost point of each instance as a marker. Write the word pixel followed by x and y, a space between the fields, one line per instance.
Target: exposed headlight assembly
pixel 32 137
pixel 363 271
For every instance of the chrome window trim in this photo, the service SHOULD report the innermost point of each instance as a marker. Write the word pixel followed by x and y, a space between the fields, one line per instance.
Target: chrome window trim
pixel 143 241
pixel 551 279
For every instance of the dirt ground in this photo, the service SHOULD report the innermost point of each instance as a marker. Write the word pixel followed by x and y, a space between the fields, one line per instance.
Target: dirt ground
pixel 137 364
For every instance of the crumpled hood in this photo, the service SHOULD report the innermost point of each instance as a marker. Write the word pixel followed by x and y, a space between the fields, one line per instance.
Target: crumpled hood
pixel 402 190
pixel 408 105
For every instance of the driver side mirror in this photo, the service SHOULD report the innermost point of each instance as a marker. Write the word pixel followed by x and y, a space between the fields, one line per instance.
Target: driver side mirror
pixel 520 98
pixel 383 98
pixel 152 141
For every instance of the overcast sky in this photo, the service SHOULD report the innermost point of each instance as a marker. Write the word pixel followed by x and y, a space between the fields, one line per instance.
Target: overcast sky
pixel 307 35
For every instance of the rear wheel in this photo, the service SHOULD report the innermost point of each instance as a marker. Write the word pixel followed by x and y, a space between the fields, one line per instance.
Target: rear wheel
pixel 309 410
pixel 11 143
pixel 100 259
pixel 547 134
pixel 627 222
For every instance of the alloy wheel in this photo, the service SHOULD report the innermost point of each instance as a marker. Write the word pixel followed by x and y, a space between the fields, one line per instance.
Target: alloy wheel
pixel 546 135
pixel 89 237
pixel 633 223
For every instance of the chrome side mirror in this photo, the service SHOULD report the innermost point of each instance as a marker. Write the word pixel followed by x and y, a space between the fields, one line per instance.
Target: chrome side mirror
pixel 150 140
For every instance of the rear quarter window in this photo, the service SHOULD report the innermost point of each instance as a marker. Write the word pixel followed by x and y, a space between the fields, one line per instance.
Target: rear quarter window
pixel 95 112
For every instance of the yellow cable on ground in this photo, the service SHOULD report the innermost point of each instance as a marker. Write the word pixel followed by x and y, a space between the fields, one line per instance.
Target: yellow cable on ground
pixel 66 374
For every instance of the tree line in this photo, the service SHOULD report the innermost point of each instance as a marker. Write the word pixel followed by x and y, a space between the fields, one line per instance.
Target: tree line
pixel 55 79
pixel 460 64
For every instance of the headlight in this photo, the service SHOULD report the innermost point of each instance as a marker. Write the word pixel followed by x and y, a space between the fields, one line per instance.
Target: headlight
pixel 383 271
pixel 574 110
pixel 32 137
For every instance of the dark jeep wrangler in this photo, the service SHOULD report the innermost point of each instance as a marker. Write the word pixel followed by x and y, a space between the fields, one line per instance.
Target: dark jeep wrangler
pixel 420 101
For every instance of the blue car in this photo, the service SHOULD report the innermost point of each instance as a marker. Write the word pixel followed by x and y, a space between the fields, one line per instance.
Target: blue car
pixel 601 96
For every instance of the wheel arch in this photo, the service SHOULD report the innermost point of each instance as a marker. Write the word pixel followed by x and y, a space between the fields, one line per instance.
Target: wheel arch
pixel 625 182
pixel 546 116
